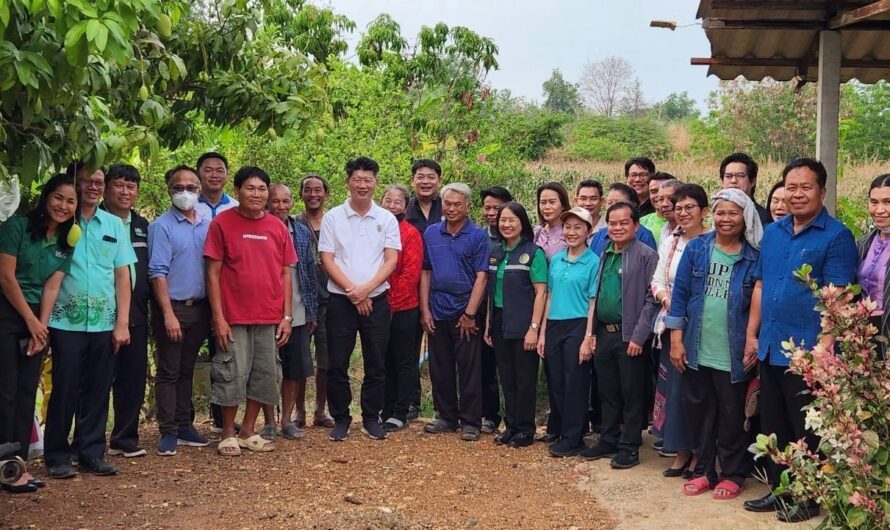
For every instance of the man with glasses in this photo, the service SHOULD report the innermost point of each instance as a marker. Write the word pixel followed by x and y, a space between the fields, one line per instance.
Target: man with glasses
pixel 589 195
pixel 181 314
pixel 739 171
pixel 638 171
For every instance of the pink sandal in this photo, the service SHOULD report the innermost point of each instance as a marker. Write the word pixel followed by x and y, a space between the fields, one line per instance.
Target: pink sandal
pixel 731 490
pixel 697 486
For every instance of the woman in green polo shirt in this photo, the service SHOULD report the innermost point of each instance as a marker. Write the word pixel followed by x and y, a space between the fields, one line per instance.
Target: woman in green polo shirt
pixel 34 256
pixel 517 272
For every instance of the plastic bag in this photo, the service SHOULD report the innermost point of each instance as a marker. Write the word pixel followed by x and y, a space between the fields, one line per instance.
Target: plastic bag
pixel 10 196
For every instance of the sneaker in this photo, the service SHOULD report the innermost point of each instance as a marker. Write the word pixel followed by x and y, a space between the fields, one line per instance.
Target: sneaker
pixel 625 460
pixel 413 413
pixel 562 449
pixel 666 453
pixel 488 426
pixel 127 452
pixel 598 451
pixel 658 444
pixel 268 433
pixel 191 437
pixel 339 433
pixel 373 430
pixel 469 434
pixel 167 445
pixel 439 426
pixel 394 424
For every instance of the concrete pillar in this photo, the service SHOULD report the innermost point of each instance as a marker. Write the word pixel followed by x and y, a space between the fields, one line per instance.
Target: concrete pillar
pixel 827 112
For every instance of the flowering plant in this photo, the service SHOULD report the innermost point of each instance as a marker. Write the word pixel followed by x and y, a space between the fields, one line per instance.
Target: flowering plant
pixel 849 473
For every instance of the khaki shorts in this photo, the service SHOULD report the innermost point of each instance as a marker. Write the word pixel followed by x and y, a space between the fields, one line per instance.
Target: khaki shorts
pixel 248 370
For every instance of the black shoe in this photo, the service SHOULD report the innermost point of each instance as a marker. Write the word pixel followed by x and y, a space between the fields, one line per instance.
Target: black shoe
pixel 37 482
pixel 61 471
pixel 394 424
pixel 562 449
pixel 439 426
pixel 413 413
pixel 99 467
pixel 522 440
pixel 547 438
pixel 373 430
pixel 598 451
pixel 339 433
pixel 27 487
pixel 767 503
pixel 505 437
pixel 625 460
pixel 798 512
pixel 674 472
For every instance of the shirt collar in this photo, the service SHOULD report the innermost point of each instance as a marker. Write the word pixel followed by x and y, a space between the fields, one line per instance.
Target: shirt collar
pixel 787 222
pixel 224 200
pixel 583 258
pixel 179 216
pixel 350 212
pixel 443 227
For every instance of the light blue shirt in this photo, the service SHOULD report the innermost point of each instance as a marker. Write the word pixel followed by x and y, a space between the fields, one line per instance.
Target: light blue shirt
pixel 572 283
pixel 176 252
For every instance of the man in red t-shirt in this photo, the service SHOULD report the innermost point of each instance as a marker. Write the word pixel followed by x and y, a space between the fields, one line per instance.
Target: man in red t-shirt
pixel 248 254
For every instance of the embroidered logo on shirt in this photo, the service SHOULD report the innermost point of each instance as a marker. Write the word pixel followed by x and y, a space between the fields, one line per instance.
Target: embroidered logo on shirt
pixel 254 236
pixel 380 228
pixel 61 255
pixel 139 232
pixel 523 258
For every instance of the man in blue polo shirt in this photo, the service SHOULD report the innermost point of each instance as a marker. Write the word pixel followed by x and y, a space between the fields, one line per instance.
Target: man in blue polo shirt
pixel 783 308
pixel 452 286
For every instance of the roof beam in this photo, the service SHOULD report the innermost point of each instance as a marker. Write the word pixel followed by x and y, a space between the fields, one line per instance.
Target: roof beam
pixel 791 63
pixel 794 25
pixel 784 6
pixel 857 16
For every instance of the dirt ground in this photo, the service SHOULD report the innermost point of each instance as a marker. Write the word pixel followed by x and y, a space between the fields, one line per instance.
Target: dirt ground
pixel 412 480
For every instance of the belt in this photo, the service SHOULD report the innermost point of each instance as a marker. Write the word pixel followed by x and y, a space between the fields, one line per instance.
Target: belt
pixel 611 328
pixel 189 303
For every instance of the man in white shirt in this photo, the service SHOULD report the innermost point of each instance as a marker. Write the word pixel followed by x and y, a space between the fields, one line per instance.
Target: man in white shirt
pixel 359 245
pixel 213 170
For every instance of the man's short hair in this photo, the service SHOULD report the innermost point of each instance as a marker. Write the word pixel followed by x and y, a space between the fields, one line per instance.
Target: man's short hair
pixel 634 213
pixel 810 163
pixel 629 192
pixel 661 175
pixel 589 183
pixel 362 163
pixel 458 187
pixel 123 171
pixel 744 158
pixel 212 154
pixel 248 172
pixel 498 192
pixel 181 167
pixel 642 161
pixel 428 163
pixel 324 183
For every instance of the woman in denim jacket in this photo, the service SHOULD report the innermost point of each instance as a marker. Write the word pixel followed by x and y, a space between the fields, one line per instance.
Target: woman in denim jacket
pixel 712 291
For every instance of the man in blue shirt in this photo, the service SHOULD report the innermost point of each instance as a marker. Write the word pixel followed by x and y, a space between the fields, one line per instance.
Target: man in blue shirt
pixel 452 286
pixel 181 316
pixel 783 308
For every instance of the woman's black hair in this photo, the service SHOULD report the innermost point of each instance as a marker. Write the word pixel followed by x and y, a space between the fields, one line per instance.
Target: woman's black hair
pixel 881 181
pixel 781 184
pixel 560 191
pixel 38 219
pixel 632 197
pixel 518 210
pixel 691 191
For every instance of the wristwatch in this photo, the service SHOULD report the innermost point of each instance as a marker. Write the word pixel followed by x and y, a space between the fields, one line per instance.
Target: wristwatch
pixel 288 318
pixel 535 325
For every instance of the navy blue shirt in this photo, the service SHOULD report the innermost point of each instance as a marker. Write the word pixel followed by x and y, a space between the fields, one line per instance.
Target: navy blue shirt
pixel 453 262
pixel 787 305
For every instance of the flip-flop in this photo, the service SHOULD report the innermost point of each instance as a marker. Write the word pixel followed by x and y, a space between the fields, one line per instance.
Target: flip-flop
pixel 256 443
pixel 229 447
pixel 697 486
pixel 323 421
pixel 292 432
pixel 731 488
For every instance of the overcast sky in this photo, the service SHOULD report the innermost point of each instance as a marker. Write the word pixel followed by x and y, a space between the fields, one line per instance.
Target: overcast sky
pixel 536 36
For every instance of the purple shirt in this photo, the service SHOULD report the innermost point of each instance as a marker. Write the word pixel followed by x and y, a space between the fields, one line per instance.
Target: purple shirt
pixel 550 240
pixel 873 269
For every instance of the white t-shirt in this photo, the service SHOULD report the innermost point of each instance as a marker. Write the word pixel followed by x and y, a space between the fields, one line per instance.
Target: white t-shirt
pixel 358 242
pixel 207 212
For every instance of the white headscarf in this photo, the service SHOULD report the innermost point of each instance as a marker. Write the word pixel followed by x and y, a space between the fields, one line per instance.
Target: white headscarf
pixel 753 228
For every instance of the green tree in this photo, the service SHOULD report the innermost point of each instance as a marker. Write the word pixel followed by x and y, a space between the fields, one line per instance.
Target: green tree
pixel 677 106
pixel 864 134
pixel 560 95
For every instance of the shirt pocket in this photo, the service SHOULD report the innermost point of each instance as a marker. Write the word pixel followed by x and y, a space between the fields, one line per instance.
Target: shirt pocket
pixel 698 276
pixel 814 258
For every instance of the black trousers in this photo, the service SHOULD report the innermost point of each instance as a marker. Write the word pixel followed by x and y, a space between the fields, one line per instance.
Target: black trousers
pixel 401 364
pixel 128 389
pixel 781 401
pixel 418 345
pixel 622 381
pixel 491 395
pixel 569 379
pixel 83 370
pixel 455 361
pixel 595 409
pixel 176 365
pixel 715 414
pixel 19 378
pixel 518 369
pixel 343 322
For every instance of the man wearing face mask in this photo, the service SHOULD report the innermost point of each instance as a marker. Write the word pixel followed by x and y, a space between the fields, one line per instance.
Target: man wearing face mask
pixel 181 317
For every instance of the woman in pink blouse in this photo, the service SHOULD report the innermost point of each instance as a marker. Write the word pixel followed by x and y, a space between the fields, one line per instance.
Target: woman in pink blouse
pixel 553 200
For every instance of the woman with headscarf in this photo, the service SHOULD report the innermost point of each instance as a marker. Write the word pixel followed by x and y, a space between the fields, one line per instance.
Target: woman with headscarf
pixel 873 273
pixel 712 291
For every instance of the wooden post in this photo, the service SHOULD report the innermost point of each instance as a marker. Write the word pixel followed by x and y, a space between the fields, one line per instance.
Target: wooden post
pixel 827 113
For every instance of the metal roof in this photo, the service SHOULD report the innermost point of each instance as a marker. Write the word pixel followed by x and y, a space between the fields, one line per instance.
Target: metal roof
pixel 780 38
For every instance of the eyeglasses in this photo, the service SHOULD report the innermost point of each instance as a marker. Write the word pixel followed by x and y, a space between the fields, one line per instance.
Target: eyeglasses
pixel 180 189
pixel 735 176
pixel 638 176
pixel 94 184
pixel 689 208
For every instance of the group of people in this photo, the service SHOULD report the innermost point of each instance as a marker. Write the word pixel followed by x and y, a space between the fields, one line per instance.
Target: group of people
pixel 644 312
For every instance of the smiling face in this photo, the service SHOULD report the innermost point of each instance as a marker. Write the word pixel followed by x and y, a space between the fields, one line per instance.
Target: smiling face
pixel 621 226
pixel 213 175
pixel 575 231
pixel 638 179
pixel 490 208
pixel 62 202
pixel 550 206
pixel 663 203
pixel 803 195
pixel 454 207
pixel 425 182
pixel 777 208
pixel 394 201
pixel 120 194
pixel 253 195
pixel 729 219
pixel 313 194
pixel 688 214
pixel 361 185
pixel 91 188
pixel 510 226
pixel 879 207
pixel 590 199
pixel 281 200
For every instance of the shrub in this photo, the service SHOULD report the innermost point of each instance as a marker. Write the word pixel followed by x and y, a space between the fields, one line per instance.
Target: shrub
pixel 603 138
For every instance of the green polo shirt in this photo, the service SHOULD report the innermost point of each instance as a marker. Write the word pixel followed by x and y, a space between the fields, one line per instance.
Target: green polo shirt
pixel 608 305
pixel 537 272
pixel 36 261
pixel 655 223
pixel 87 299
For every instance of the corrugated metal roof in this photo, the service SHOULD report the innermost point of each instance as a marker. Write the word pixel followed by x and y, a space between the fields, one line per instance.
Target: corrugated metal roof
pixel 790 46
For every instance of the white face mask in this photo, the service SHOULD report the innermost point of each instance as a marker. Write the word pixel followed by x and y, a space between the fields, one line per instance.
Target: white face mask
pixel 185 200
